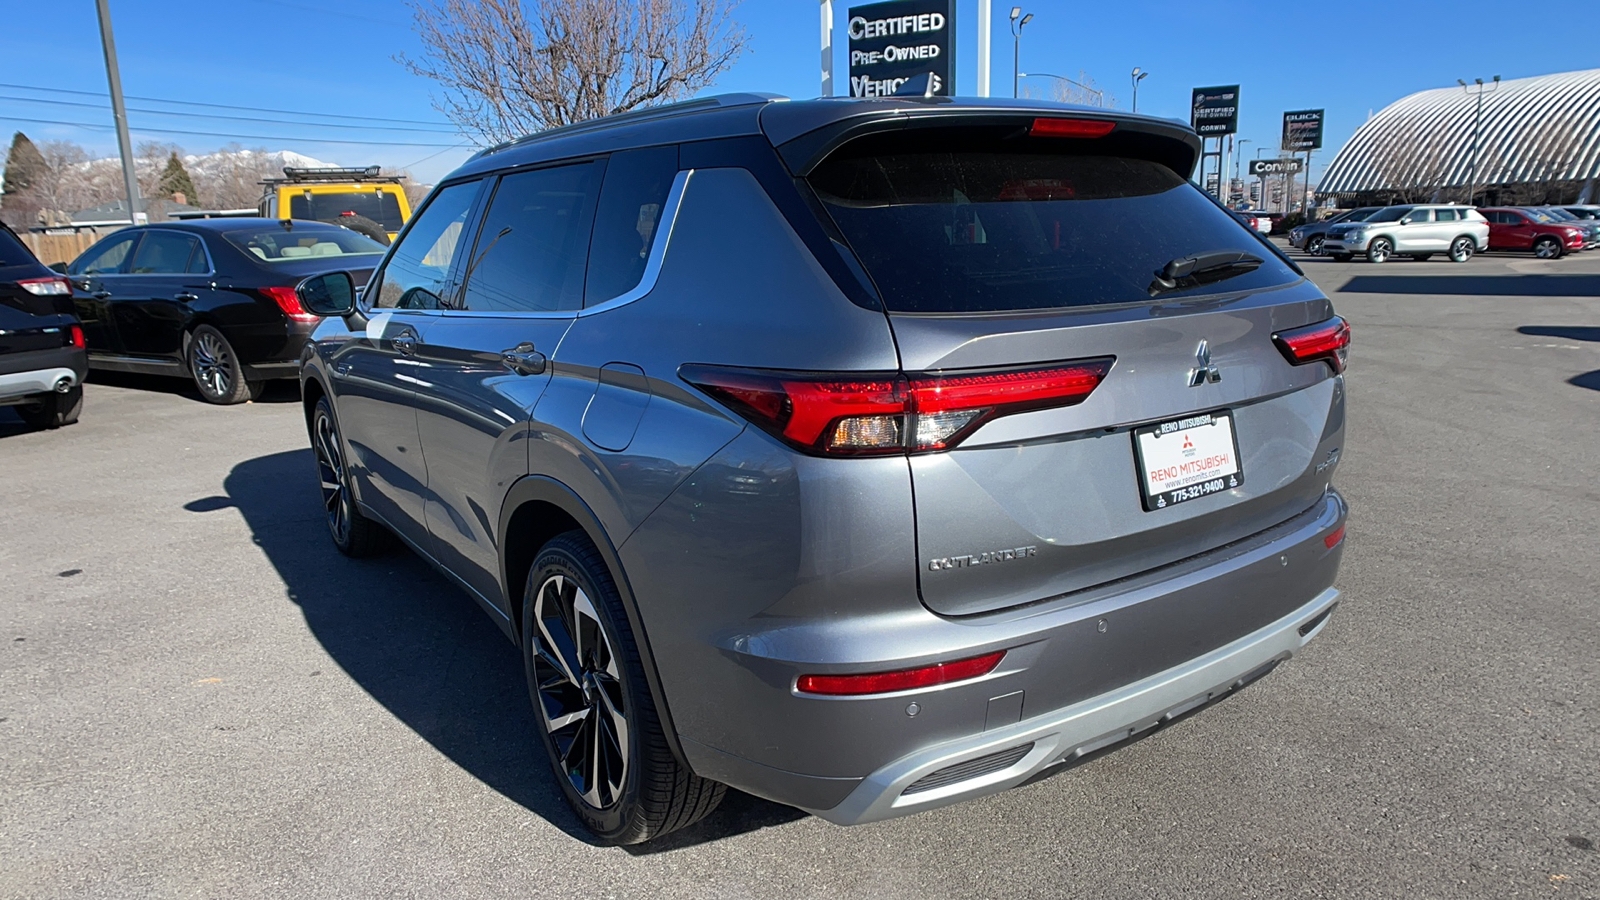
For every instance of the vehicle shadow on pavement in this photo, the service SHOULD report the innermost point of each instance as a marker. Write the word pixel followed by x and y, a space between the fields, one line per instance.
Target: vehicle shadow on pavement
pixel 424 650
pixel 1489 285
pixel 278 390
pixel 1590 380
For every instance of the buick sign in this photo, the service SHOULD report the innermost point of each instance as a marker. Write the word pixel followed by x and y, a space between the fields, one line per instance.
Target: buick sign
pixel 891 43
pixel 1302 130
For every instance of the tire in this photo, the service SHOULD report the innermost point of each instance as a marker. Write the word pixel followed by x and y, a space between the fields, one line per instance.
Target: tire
pixel 1422 257
pixel 1462 248
pixel 53 410
pixel 1343 257
pixel 1314 245
pixel 1379 250
pixel 216 369
pixel 592 706
pixel 363 226
pixel 1547 248
pixel 354 534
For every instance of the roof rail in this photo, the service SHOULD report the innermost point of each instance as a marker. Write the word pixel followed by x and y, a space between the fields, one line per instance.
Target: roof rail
pixel 665 110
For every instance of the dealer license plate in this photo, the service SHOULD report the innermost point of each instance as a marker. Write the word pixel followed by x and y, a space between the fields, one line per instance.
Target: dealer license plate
pixel 1186 459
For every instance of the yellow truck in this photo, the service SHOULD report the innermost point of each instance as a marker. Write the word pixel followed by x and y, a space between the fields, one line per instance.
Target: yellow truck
pixel 358 198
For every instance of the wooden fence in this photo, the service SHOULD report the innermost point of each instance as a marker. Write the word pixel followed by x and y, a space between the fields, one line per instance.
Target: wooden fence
pixel 54 248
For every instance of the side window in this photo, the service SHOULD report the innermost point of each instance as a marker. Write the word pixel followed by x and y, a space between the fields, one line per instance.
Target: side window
pixel 106 258
pixel 419 267
pixel 1419 216
pixel 199 263
pixel 163 253
pixel 631 203
pixel 534 241
pixel 1445 215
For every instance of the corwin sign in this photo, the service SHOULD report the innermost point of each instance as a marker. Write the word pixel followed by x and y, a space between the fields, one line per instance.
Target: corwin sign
pixel 1260 167
pixel 891 43
pixel 1302 130
pixel 1215 111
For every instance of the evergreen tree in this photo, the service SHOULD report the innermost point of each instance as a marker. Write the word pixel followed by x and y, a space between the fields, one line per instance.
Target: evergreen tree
pixel 25 171
pixel 175 179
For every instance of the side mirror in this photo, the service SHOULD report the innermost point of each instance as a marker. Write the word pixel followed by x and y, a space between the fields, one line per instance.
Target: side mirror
pixel 329 294
pixel 1406 221
pixel 60 268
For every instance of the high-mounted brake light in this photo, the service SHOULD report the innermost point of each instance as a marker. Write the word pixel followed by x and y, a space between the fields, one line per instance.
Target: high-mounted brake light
pixel 1071 128
pixel 53 286
pixel 1325 341
pixel 878 415
pixel 289 302
pixel 902 680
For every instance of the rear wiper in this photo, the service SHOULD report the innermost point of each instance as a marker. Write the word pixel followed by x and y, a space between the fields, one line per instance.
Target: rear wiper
pixel 1202 268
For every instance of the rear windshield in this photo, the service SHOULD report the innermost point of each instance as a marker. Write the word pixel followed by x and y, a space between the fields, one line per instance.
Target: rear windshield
pixel 12 252
pixel 381 207
pixel 972 231
pixel 277 244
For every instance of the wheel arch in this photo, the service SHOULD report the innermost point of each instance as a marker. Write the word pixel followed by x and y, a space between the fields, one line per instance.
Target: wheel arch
pixel 536 509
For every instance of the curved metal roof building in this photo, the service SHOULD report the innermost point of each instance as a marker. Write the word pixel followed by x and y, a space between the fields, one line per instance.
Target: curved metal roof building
pixel 1538 135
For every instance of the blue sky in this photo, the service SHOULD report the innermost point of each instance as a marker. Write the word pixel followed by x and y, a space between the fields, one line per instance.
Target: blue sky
pixel 333 57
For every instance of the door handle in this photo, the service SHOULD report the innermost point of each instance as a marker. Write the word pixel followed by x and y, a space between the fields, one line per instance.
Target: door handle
pixel 524 360
pixel 342 370
pixel 406 343
pixel 184 296
pixel 101 295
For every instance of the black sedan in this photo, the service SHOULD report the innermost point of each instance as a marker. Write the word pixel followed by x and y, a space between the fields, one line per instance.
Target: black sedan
pixel 209 299
pixel 41 343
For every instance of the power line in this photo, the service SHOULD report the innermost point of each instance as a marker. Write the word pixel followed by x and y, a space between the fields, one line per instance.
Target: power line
pixel 282 112
pixel 246 137
pixel 190 115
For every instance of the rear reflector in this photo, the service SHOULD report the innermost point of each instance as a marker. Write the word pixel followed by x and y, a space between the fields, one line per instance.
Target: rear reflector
pixel 75 336
pixel 1071 128
pixel 46 287
pixel 903 680
pixel 1334 537
pixel 1325 341
pixel 893 412
pixel 289 302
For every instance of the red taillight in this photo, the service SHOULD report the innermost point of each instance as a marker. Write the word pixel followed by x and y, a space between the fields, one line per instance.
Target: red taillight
pixel 289 302
pixel 903 680
pixel 891 413
pixel 1334 537
pixel 54 286
pixel 1071 128
pixel 75 334
pixel 1325 341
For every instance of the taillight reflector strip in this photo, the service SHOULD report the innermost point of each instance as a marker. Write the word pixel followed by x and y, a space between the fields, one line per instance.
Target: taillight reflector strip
pixel 893 412
pixel 1323 342
pixel 75 337
pixel 902 680
pixel 1334 537
pixel 1071 128
pixel 289 302
pixel 46 287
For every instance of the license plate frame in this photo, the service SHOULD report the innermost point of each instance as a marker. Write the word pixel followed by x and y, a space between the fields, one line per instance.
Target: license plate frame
pixel 1180 487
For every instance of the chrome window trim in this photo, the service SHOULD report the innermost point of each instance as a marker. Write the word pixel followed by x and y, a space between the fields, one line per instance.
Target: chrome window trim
pixel 647 281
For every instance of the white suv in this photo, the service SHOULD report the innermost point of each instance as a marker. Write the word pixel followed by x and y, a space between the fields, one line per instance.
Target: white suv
pixel 1415 231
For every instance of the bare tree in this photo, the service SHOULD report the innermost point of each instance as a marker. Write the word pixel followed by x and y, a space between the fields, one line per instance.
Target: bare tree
pixel 231 177
pixel 511 67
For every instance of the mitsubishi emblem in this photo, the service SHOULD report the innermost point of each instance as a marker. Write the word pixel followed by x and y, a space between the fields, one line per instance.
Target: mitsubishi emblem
pixel 1204 372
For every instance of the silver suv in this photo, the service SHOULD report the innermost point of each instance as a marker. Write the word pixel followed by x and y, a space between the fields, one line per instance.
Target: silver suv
pixel 863 455
pixel 1415 231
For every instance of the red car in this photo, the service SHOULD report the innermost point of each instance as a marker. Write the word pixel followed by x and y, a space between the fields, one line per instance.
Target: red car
pixel 1511 228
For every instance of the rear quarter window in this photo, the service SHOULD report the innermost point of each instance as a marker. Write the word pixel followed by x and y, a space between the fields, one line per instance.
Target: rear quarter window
pixel 974 230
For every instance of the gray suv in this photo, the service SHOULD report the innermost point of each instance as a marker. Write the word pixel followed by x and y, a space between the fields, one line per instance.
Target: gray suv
pixel 864 455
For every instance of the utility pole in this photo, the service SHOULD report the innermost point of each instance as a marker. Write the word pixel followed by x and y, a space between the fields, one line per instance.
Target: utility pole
pixel 985 13
pixel 1138 76
pixel 827 48
pixel 1238 162
pixel 1477 87
pixel 1017 21
pixel 124 143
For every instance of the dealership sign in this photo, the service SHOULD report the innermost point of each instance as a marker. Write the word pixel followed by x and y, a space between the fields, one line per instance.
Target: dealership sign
pixel 1302 130
pixel 1216 111
pixel 1262 167
pixel 891 43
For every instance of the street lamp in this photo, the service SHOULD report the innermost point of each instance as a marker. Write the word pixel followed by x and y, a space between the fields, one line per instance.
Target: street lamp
pixel 1017 21
pixel 1138 76
pixel 1237 160
pixel 1099 95
pixel 1477 87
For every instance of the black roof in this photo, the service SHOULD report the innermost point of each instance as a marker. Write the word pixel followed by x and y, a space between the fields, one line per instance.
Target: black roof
pixel 780 120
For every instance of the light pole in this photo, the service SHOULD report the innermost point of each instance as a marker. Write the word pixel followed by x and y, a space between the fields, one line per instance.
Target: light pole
pixel 1238 160
pixel 1099 95
pixel 1477 87
pixel 1138 76
pixel 1017 21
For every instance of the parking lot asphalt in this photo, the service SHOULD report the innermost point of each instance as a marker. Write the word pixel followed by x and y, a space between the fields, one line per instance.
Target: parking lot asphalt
pixel 200 698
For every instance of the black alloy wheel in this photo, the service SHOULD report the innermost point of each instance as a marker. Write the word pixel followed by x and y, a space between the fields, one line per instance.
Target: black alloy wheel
pixel 216 369
pixel 1314 245
pixel 353 534
pixel 1461 249
pixel 1379 250
pixel 594 711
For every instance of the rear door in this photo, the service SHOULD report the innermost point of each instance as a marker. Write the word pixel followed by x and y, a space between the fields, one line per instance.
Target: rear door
pixel 486 358
pixel 1020 254
pixel 94 275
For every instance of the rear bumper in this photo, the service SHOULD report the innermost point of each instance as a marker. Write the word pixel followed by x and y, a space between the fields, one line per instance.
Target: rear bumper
pixel 40 371
pixel 994 761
